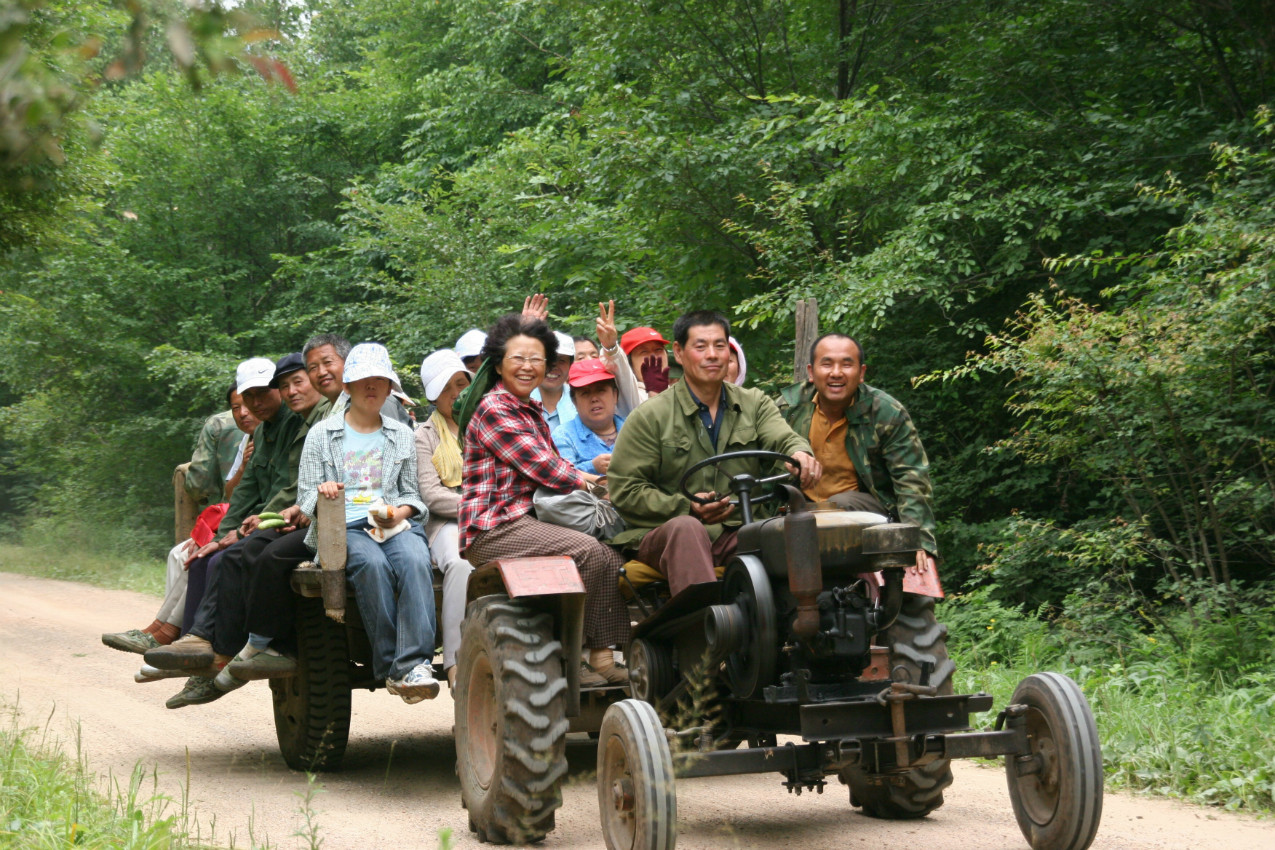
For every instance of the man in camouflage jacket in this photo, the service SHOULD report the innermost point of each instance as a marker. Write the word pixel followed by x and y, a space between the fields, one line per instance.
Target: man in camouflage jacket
pixel 864 439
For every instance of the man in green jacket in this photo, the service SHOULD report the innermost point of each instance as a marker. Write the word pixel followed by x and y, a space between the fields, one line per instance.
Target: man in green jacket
pixel 699 417
pixel 208 478
pixel 871 454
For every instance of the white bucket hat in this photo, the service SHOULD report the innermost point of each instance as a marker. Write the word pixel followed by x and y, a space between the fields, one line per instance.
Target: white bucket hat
pixel 470 344
pixel 252 373
pixel 566 345
pixel 438 369
pixel 370 360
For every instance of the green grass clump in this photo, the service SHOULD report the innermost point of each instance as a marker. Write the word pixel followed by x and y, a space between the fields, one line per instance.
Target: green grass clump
pixel 1185 706
pixel 49 800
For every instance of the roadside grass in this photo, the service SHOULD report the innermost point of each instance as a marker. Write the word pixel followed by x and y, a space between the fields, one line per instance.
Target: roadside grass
pixel 51 800
pixel 1169 725
pixel 81 563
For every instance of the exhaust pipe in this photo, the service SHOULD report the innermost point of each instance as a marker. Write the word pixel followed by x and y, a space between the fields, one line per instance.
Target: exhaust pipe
pixel 805 570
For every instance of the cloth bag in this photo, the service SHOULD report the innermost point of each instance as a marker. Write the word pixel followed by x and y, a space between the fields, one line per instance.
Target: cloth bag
pixel 578 510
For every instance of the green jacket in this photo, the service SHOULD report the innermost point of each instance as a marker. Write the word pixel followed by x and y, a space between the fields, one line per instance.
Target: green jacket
pixel 267 476
pixel 885 449
pixel 214 454
pixel 663 437
pixel 287 497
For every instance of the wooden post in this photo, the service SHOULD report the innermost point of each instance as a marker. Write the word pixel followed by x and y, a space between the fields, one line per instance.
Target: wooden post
pixel 329 514
pixel 185 510
pixel 807 333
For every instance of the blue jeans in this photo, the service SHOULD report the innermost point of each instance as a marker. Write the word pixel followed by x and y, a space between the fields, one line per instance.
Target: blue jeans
pixel 394 585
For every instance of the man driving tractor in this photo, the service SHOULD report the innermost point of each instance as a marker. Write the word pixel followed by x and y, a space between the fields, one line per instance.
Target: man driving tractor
pixel 699 417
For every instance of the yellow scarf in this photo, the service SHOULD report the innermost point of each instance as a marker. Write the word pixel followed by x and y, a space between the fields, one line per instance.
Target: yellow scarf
pixel 447 458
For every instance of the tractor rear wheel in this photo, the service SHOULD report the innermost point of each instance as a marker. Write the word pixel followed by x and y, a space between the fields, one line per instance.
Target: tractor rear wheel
pixel 511 724
pixel 915 638
pixel 312 708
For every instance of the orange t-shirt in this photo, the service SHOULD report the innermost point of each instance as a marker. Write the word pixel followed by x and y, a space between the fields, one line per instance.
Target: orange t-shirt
pixel 829 442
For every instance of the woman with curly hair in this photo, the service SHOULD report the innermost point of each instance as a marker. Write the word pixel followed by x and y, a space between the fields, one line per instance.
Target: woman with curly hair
pixel 508 454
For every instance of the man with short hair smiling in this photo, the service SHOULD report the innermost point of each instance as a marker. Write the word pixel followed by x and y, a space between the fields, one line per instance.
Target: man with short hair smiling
pixel 871 453
pixel 697 418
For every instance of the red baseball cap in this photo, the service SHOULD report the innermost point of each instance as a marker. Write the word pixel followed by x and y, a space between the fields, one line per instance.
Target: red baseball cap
pixel 637 336
pixel 585 372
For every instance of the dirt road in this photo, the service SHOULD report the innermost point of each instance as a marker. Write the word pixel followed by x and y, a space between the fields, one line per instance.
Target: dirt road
pixel 398 788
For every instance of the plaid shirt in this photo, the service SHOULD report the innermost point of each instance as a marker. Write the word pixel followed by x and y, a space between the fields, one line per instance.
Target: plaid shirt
pixel 508 454
pixel 323 459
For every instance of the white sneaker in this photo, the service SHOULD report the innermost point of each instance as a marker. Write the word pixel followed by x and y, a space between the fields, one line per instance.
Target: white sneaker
pixel 419 684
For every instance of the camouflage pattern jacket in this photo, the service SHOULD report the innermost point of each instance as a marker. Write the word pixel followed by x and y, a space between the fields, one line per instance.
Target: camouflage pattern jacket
pixel 214 454
pixel 884 447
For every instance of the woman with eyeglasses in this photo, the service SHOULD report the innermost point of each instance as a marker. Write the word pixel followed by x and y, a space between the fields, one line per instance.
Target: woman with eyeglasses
pixel 508 454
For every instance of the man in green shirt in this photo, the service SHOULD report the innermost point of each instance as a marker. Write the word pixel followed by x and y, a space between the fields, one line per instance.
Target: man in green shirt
pixel 700 416
pixel 867 443
pixel 208 478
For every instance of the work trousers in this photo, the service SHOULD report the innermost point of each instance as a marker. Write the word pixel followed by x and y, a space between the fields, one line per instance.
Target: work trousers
pixel 272 606
pixel 394 585
pixel 682 550
pixel 445 550
pixel 172 610
pixel 606 617
pixel 202 586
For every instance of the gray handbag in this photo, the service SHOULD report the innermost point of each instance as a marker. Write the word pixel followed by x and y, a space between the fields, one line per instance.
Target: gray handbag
pixel 579 510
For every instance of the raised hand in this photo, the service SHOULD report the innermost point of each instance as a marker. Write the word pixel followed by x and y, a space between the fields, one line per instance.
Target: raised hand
pixel 607 336
pixel 536 307
pixel 654 375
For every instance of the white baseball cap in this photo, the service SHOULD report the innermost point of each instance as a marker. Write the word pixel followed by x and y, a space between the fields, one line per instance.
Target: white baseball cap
pixel 566 345
pixel 439 368
pixel 252 373
pixel 370 360
pixel 470 344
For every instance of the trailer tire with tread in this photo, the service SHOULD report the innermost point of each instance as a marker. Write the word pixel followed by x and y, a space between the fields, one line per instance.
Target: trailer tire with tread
pixel 312 707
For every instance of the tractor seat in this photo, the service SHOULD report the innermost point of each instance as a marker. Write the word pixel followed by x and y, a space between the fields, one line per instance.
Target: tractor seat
pixel 638 575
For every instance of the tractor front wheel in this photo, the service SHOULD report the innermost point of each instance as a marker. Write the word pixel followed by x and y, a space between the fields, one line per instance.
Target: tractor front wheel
pixel 1056 788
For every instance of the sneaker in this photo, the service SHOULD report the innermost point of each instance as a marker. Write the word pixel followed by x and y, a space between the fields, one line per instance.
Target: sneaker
pixel 616 674
pixel 133 640
pixel 198 690
pixel 185 653
pixel 225 681
pixel 154 674
pixel 417 685
pixel 267 664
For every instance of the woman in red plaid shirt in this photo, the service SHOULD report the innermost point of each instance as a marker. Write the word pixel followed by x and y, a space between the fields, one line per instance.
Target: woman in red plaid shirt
pixel 508 454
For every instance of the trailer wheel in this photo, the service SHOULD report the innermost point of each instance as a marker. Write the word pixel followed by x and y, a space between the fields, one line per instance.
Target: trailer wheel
pixel 1056 789
pixel 312 708
pixel 511 724
pixel 916 638
pixel 636 792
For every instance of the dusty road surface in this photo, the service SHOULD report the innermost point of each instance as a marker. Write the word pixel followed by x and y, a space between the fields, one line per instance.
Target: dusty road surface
pixel 398 788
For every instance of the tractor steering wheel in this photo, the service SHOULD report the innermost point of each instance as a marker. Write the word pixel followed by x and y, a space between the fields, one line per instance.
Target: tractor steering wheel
pixel 743 484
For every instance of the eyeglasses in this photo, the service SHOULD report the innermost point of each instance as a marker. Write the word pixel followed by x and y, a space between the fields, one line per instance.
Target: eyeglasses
pixel 519 360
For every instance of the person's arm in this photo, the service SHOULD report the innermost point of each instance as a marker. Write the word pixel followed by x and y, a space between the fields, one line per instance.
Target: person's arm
pixel 310 472
pixel 516 442
pixel 909 470
pixel 202 482
pixel 636 463
pixel 775 435
pixel 442 501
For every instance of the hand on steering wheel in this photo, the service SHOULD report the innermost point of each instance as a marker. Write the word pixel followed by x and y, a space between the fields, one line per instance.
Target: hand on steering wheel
pixel 741 485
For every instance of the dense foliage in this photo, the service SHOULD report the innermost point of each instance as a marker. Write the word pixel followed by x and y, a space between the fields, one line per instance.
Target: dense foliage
pixel 1056 215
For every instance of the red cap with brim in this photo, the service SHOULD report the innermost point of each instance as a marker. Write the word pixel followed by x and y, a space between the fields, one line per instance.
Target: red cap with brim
pixel 637 336
pixel 585 372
